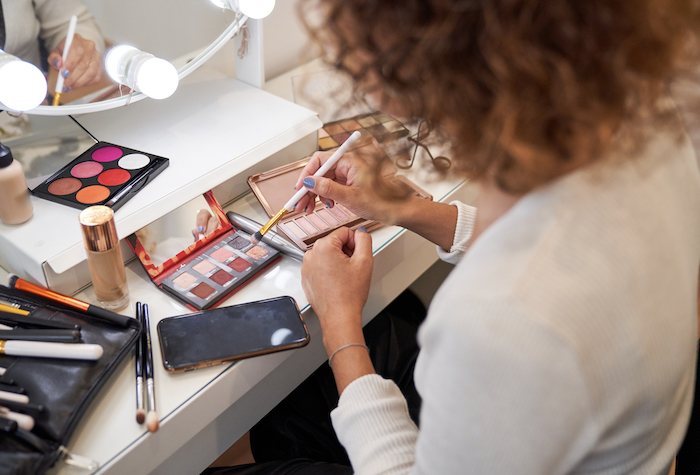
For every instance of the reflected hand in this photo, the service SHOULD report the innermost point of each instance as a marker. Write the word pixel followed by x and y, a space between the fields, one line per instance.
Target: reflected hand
pixel 83 66
pixel 204 224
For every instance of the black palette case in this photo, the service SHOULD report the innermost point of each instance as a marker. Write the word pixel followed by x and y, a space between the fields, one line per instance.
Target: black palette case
pixel 65 388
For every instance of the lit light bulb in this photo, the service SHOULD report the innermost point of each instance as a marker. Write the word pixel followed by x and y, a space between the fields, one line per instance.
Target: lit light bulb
pixel 22 85
pixel 255 9
pixel 155 77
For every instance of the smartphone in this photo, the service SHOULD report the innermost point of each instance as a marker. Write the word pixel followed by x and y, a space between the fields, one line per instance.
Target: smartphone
pixel 231 333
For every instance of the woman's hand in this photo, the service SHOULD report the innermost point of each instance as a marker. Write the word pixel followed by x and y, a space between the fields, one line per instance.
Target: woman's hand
pixel 346 183
pixel 83 66
pixel 335 277
pixel 204 224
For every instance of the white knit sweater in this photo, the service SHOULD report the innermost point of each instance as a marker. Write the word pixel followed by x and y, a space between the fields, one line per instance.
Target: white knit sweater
pixel 564 340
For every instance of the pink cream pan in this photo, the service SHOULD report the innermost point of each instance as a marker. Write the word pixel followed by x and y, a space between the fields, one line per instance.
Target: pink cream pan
pixel 106 174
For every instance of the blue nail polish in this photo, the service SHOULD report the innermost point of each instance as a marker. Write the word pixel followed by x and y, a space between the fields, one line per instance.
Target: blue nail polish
pixel 362 229
pixel 68 89
pixel 309 182
pixel 55 63
pixel 200 229
pixel 328 203
pixel 65 73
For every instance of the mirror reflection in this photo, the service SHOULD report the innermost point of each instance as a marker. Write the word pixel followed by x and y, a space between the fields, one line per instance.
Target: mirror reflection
pixel 36 31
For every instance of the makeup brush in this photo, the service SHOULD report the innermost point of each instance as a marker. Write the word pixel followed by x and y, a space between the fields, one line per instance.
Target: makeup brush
pixel 140 411
pixel 15 282
pixel 152 423
pixel 66 49
pixel 257 237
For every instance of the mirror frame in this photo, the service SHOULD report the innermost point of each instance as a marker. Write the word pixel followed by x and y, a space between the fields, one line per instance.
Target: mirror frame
pixel 183 72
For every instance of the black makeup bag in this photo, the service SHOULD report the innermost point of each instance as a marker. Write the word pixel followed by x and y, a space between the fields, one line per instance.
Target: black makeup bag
pixel 65 388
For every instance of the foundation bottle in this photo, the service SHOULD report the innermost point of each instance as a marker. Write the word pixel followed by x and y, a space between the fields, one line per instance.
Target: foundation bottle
pixel 15 205
pixel 104 257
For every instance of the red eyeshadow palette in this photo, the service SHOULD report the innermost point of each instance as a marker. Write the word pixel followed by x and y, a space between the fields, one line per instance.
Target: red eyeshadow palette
pixel 106 174
pixel 381 126
pixel 274 188
pixel 212 268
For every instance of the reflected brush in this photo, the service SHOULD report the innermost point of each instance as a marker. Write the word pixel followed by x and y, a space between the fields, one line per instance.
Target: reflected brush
pixel 66 49
pixel 257 237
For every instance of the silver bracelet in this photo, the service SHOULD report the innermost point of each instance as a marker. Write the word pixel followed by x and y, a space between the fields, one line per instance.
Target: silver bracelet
pixel 330 358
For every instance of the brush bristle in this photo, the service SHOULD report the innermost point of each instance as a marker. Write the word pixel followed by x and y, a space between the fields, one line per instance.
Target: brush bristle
pixel 140 416
pixel 152 423
pixel 256 238
pixel 12 280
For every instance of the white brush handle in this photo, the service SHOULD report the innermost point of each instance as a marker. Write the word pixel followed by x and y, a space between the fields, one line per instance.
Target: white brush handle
pixel 40 349
pixel 24 421
pixel 8 396
pixel 324 168
pixel 66 48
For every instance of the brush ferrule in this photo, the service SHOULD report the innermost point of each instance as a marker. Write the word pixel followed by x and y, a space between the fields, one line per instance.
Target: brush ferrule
pixel 273 221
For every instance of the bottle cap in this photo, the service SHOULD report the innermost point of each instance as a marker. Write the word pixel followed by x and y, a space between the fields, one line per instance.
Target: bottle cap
pixel 99 230
pixel 5 156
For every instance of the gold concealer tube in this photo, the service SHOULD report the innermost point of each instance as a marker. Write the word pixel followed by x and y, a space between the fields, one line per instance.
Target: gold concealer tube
pixel 104 257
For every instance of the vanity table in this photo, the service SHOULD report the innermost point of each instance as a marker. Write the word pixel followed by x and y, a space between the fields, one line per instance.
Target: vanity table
pixel 216 131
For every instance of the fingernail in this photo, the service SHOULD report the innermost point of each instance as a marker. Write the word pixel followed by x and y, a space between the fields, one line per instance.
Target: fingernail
pixel 67 89
pixel 362 229
pixel 328 203
pixel 200 229
pixel 309 182
pixel 55 63
pixel 65 73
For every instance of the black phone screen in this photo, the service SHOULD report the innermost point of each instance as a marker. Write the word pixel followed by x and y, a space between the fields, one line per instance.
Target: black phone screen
pixel 230 333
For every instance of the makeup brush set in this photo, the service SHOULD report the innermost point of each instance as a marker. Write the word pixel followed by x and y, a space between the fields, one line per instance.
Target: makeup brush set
pixel 56 353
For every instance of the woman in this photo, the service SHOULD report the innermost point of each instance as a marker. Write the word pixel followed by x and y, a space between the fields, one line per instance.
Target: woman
pixel 564 340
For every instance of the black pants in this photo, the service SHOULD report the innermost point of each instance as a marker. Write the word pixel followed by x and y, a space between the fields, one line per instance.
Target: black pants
pixel 297 437
pixel 688 458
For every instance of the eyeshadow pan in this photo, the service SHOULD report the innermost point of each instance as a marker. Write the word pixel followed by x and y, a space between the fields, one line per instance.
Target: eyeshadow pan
pixel 322 133
pixel 65 186
pixel 393 125
pixel 114 177
pixel 334 129
pixel 295 229
pixel 318 222
pixel 221 277
pixel 239 264
pixel 134 161
pixel 377 130
pixel 92 194
pixel 184 280
pixel 327 217
pixel 346 211
pixel 367 121
pixel 239 243
pixel 203 267
pixel 306 226
pixel 341 138
pixel 86 169
pixel 338 213
pixel 203 290
pixel 350 125
pixel 221 254
pixel 381 118
pixel 257 252
pixel 327 142
pixel 107 154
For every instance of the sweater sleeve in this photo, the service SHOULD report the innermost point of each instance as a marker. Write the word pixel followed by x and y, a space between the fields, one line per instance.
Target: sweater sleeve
pixel 488 405
pixel 54 16
pixel 463 232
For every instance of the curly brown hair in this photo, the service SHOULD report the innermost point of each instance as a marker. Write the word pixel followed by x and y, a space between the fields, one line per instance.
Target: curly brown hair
pixel 526 90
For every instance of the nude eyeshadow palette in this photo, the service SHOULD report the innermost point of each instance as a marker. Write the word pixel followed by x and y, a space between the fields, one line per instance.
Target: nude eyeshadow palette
pixel 212 268
pixel 106 174
pixel 377 124
pixel 275 187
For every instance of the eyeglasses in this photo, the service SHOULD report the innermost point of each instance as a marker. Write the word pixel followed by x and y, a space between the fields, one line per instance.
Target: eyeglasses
pixel 424 129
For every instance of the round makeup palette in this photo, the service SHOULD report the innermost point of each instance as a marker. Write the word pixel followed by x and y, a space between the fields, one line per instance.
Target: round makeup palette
pixel 106 174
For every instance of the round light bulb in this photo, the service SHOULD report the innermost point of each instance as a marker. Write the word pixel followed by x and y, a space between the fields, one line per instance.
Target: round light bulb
pixel 157 78
pixel 220 3
pixel 256 8
pixel 114 61
pixel 22 85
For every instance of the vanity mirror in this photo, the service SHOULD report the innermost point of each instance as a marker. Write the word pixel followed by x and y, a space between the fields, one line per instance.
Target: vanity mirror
pixel 186 35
